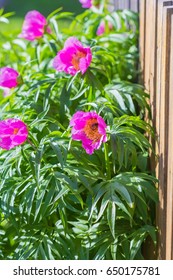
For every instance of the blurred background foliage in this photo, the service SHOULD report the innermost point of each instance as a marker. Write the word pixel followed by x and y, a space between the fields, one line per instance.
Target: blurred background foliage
pixel 20 8
pixel 45 7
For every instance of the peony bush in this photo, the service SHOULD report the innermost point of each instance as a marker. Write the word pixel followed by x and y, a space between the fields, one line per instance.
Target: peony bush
pixel 75 182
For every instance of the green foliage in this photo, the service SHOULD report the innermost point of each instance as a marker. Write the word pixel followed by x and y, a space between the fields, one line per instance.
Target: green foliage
pixel 56 201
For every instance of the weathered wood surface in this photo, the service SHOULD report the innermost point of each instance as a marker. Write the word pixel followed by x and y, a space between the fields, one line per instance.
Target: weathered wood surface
pixel 126 4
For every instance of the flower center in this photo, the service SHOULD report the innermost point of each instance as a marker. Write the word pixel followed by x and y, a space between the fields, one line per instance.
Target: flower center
pixel 15 131
pixel 91 130
pixel 76 59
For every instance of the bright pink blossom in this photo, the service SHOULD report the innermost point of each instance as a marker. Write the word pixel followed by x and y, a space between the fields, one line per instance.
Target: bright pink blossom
pixel 86 3
pixel 89 128
pixel 34 26
pixel 8 77
pixel 13 132
pixel 73 57
pixel 101 28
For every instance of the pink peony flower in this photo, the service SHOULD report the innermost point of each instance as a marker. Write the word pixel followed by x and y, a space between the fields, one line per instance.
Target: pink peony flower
pixel 34 26
pixel 13 132
pixel 90 128
pixel 86 3
pixel 73 58
pixel 101 28
pixel 8 77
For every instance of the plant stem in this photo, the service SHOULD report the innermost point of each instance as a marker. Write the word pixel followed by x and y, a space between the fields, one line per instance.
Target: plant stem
pixel 32 145
pixel 108 171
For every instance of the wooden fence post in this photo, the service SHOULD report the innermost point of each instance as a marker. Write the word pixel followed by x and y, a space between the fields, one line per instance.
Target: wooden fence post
pixel 168 16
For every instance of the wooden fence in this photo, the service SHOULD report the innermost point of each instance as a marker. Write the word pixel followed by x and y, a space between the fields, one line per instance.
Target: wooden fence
pixel 126 4
pixel 156 59
pixel 156 50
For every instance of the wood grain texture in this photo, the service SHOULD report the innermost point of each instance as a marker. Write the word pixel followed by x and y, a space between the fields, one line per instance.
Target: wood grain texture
pixel 142 20
pixel 169 87
pixel 126 4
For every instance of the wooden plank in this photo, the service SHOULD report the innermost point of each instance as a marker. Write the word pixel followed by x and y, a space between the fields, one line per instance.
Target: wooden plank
pixel 150 66
pixel 120 4
pixel 134 5
pixel 142 20
pixel 150 53
pixel 161 218
pixel 152 57
pixel 169 212
pixel 117 4
pixel 124 4
pixel 148 49
pixel 113 5
pixel 160 5
pixel 161 123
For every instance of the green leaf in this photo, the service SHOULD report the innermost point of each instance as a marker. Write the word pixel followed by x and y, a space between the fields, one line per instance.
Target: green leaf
pixel 29 198
pixel 100 255
pixel 111 217
pixel 122 190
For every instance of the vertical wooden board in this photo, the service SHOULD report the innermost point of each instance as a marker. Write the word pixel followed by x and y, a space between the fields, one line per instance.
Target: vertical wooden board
pixel 161 216
pixel 150 74
pixel 152 58
pixel 160 123
pixel 113 5
pixel 134 5
pixel 117 4
pixel 148 49
pixel 157 116
pixel 142 21
pixel 169 212
pixel 124 4
pixel 150 52
pixel 163 129
pixel 160 5
pixel 127 4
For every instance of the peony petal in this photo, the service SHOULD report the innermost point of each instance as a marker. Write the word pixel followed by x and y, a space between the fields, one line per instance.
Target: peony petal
pixel 86 3
pixel 5 143
pixel 35 16
pixel 13 132
pixel 34 26
pixel 72 42
pixel 92 138
pixel 83 65
pixel 8 77
pixel 73 57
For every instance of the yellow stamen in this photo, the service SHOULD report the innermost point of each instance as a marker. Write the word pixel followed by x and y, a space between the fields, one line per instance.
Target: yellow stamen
pixel 76 59
pixel 91 130
pixel 15 131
